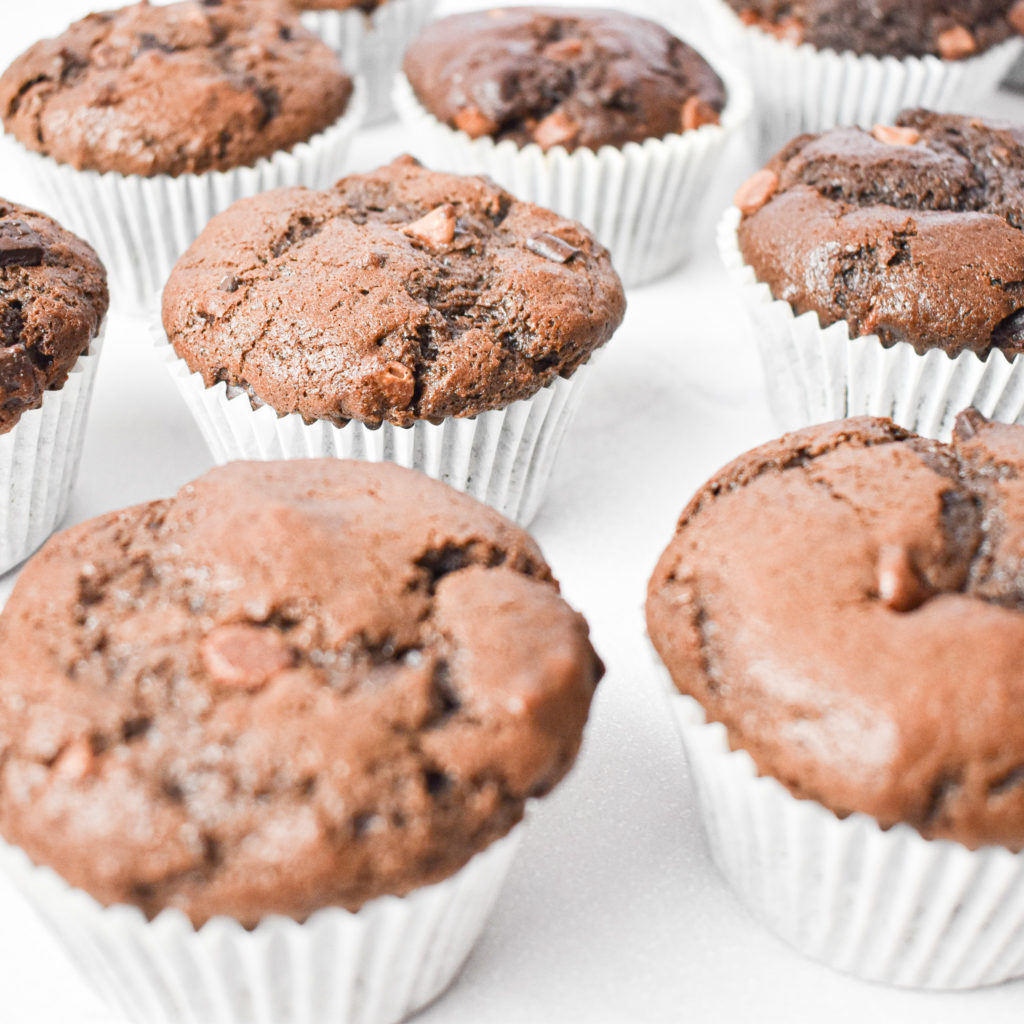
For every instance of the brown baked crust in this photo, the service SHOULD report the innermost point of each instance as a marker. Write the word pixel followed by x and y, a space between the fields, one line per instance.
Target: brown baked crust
pixel 53 298
pixel 374 317
pixel 848 600
pixel 293 685
pixel 366 6
pixel 572 77
pixel 920 243
pixel 180 89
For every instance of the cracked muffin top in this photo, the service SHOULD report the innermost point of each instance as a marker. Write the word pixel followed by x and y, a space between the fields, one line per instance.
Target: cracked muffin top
pixel 194 717
pixel 572 77
pixel 399 295
pixel 897 28
pixel 849 602
pixel 53 297
pixel 911 231
pixel 179 89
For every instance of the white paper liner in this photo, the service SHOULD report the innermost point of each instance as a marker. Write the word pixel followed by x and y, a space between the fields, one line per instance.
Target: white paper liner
pixel 373 45
pixel 885 905
pixel 140 226
pixel 503 457
pixel 39 459
pixel 642 201
pixel 815 374
pixel 374 966
pixel 804 89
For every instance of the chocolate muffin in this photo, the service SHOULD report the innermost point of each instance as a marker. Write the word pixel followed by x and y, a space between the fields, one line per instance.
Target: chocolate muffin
pixel 910 231
pixel 397 296
pixel 53 297
pixel 847 601
pixel 366 6
pixel 572 77
pixel 193 717
pixel 897 28
pixel 178 89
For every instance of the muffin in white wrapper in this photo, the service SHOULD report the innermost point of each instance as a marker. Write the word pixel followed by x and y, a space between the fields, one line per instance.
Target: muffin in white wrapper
pixel 374 966
pixel 141 225
pixel 885 905
pixel 502 457
pixel 806 89
pixel 815 374
pixel 373 44
pixel 39 459
pixel 641 201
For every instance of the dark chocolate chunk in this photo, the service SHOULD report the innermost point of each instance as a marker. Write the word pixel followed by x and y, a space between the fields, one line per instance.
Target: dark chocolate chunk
pixel 20 246
pixel 551 247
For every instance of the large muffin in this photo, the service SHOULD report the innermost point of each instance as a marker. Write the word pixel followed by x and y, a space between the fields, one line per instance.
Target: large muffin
pixel 399 295
pixel 848 601
pixel 291 686
pixel 912 232
pixel 571 77
pixel 53 297
pixel 184 88
pixel 899 28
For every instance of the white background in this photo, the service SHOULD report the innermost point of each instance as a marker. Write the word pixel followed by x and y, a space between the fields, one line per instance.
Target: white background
pixel 613 912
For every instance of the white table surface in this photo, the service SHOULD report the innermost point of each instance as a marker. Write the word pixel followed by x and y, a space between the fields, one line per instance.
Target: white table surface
pixel 613 912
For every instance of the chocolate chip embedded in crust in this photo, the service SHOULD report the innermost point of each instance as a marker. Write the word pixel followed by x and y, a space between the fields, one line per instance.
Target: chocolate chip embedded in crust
pixel 555 130
pixel 474 122
pixel 756 191
pixel 697 113
pixel 20 246
pixel 229 283
pixel 551 247
pixel 564 49
pixel 436 229
pixel 968 423
pixel 956 43
pixel 899 586
pixel 245 656
pixel 892 135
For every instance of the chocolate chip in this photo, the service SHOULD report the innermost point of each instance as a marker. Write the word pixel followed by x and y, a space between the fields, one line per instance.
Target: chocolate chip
pixel 474 122
pixel 956 43
pixel 899 585
pixel 245 656
pixel 555 130
pixel 148 41
pixel 551 247
pixel 436 229
pixel 229 283
pixel 697 113
pixel 20 246
pixel 893 135
pixel 756 191
pixel 968 423
pixel 1009 332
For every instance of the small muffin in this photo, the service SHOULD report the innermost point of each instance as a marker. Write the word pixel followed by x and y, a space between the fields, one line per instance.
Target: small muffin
pixel 909 235
pixel 194 718
pixel 402 296
pixel 566 77
pixel 53 300
pixel 607 117
pixel 846 602
pixel 168 92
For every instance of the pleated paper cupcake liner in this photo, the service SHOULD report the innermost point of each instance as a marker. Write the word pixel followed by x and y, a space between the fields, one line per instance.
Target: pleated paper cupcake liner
pixel 377 965
pixel 140 226
pixel 816 374
pixel 804 89
pixel 373 45
pixel 884 905
pixel 39 459
pixel 503 457
pixel 642 201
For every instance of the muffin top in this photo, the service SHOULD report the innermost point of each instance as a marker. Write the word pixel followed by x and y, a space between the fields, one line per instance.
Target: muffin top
pixel 193 717
pixel 181 89
pixel 399 295
pixel 849 602
pixel 366 6
pixel 572 77
pixel 53 296
pixel 912 232
pixel 898 28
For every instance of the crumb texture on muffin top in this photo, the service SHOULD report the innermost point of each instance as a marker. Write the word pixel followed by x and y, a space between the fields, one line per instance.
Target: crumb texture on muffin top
pixel 849 601
pixel 53 297
pixel 398 295
pixel 184 88
pixel 572 77
pixel 911 231
pixel 293 685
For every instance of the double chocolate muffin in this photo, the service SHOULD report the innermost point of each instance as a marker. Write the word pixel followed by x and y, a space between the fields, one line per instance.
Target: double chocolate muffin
pixel 848 601
pixel 291 686
pixel 53 298
pixel 899 28
pixel 395 296
pixel 571 77
pixel 910 231
pixel 178 89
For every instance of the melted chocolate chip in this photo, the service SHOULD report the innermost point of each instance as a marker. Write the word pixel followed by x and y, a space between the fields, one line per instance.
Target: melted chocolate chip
pixel 551 247
pixel 20 246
